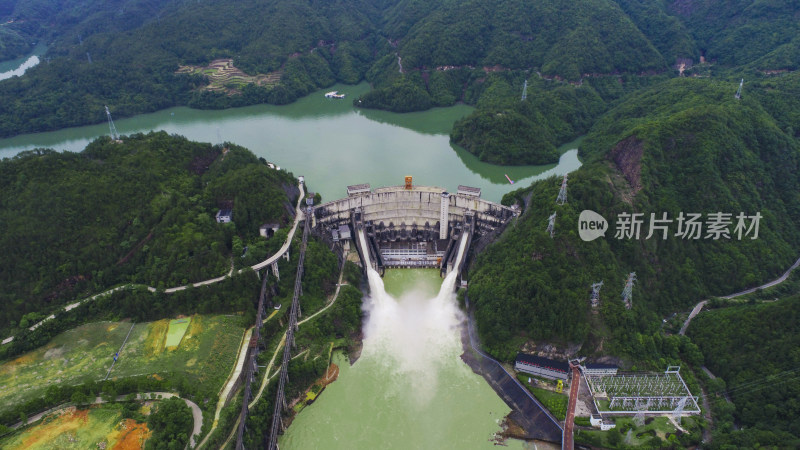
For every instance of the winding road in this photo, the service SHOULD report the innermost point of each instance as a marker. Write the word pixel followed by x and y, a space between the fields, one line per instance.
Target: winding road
pixel 197 414
pixel 698 307
pixel 299 215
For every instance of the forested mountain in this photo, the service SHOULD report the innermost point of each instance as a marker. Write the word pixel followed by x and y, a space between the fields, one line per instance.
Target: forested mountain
pixel 683 146
pixel 505 130
pixel 140 211
pixel 755 350
pixel 762 34
pixel 125 53
pixel 28 22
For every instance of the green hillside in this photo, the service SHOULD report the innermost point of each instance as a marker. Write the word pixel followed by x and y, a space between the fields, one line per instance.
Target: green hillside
pixel 565 39
pixel 763 34
pixel 684 146
pixel 754 350
pixel 126 53
pixel 506 130
pixel 141 211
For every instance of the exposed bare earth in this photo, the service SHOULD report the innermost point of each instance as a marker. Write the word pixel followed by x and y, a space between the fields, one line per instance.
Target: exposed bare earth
pixel 224 77
pixel 627 156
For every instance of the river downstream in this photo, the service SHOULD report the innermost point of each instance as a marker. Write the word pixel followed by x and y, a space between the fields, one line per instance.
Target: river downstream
pixel 329 141
pixel 409 389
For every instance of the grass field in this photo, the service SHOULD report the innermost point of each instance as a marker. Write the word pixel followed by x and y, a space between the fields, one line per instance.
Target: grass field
pixel 205 354
pixel 75 356
pixel 657 427
pixel 177 328
pixel 99 427
pixel 556 403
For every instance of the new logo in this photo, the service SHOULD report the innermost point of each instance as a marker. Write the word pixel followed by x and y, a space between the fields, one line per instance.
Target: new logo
pixel 591 225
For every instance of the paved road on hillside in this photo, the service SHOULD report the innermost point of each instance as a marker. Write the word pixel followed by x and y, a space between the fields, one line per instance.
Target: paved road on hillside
pixel 297 218
pixel 197 414
pixel 698 307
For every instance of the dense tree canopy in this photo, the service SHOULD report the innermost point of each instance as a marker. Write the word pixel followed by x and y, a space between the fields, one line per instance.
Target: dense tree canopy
pixel 141 211
pixel 171 423
pixel 125 53
pixel 755 350
pixel 685 146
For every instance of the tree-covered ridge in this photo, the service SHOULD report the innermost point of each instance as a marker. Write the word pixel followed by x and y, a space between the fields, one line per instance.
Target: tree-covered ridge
pixel 133 70
pixel 125 53
pixel 739 32
pixel 565 39
pixel 506 130
pixel 140 211
pixel 754 349
pixel 43 21
pixel 686 145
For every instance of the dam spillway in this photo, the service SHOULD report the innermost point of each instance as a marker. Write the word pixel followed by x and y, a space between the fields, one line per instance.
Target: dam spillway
pixel 411 226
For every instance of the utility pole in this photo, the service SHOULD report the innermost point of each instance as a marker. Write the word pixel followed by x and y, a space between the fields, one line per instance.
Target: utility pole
pixel 111 127
pixel 627 293
pixel 562 194
pixel 551 224
pixel 595 298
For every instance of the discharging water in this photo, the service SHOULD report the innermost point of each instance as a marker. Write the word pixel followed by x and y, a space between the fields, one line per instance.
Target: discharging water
pixel 409 389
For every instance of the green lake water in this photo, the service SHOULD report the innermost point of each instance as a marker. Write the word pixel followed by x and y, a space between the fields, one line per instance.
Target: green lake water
pixel 410 388
pixel 376 404
pixel 17 67
pixel 330 142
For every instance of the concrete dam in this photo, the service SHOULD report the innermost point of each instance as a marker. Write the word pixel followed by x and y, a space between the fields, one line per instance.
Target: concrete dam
pixel 411 226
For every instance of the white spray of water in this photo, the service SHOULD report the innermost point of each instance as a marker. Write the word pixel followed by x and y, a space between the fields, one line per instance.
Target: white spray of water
pixel 414 336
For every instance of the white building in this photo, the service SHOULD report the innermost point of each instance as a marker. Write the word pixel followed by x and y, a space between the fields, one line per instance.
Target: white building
pixel 597 421
pixel 600 370
pixel 543 367
pixel 224 215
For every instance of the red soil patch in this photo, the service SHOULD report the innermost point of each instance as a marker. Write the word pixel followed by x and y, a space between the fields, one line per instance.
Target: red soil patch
pixel 627 156
pixel 330 375
pixel 64 423
pixel 133 436
pixel 80 414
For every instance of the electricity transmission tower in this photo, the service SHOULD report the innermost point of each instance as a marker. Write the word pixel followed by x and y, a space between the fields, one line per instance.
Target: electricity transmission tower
pixel 551 224
pixel 679 410
pixel 739 91
pixel 627 293
pixel 596 294
pixel 525 90
pixel 111 127
pixel 562 194
pixel 638 419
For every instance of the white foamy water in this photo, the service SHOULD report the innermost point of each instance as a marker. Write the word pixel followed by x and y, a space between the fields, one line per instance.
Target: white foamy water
pixel 419 334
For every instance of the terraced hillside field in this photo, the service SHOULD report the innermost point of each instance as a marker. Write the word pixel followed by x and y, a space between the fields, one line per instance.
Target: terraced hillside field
pixel 224 77
pixel 204 354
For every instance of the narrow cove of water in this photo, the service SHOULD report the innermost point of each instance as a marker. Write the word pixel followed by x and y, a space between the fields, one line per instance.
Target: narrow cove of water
pixel 409 389
pixel 17 67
